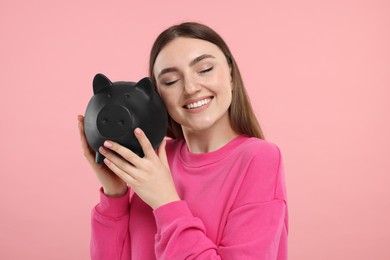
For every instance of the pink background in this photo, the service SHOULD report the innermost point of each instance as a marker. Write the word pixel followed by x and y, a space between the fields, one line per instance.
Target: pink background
pixel 317 74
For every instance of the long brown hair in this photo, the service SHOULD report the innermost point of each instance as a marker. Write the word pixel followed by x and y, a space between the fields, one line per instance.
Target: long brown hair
pixel 241 115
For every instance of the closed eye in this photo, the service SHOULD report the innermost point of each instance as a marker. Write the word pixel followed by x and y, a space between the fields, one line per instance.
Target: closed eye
pixel 168 83
pixel 206 70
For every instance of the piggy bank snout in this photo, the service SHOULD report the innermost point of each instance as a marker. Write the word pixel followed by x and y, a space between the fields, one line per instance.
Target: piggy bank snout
pixel 114 121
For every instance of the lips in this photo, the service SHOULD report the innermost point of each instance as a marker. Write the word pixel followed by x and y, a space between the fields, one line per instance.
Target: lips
pixel 199 103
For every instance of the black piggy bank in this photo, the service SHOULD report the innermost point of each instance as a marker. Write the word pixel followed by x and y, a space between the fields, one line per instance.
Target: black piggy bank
pixel 117 108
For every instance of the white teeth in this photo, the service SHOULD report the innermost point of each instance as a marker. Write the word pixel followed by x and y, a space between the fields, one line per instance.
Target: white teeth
pixel 199 103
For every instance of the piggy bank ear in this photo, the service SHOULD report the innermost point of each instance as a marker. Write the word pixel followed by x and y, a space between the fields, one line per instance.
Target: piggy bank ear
pixel 100 82
pixel 145 85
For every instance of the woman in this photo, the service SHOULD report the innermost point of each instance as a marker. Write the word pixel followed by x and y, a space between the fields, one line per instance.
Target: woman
pixel 216 190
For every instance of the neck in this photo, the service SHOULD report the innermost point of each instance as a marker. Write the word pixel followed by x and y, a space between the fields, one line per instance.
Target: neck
pixel 208 140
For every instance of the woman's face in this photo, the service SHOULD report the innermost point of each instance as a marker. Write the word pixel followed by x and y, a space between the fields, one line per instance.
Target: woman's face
pixel 193 79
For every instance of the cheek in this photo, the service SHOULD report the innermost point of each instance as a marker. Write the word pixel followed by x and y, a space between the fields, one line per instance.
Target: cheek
pixel 223 78
pixel 168 99
pixel 223 84
pixel 171 105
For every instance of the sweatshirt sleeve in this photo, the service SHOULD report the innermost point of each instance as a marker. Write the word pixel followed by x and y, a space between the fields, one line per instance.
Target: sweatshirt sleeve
pixel 258 221
pixel 110 228
pixel 180 235
pixel 256 226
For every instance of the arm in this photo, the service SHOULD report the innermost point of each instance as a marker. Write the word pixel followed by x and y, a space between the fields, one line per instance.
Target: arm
pixel 110 238
pixel 110 217
pixel 252 232
pixel 256 226
pixel 255 231
pixel 259 219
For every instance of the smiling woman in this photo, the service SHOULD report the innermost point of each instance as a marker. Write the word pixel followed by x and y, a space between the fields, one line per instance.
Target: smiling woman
pixel 195 84
pixel 216 190
pixel 241 113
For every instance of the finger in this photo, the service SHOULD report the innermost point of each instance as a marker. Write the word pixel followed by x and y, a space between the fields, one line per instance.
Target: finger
pixel 81 127
pixel 80 118
pixel 83 138
pixel 162 154
pixel 88 152
pixel 125 153
pixel 143 140
pixel 119 172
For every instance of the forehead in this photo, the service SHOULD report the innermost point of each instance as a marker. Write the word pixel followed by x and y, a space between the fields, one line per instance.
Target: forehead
pixel 183 50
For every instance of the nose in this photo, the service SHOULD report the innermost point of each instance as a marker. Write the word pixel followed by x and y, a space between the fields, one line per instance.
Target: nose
pixel 191 86
pixel 114 121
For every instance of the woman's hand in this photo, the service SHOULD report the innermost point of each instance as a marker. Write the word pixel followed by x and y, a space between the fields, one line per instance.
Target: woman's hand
pixel 113 186
pixel 149 177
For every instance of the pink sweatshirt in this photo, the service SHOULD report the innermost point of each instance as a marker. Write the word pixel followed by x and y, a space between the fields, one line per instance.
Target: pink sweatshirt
pixel 233 206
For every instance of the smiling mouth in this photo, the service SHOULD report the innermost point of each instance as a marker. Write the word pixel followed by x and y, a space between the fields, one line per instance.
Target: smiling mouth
pixel 199 103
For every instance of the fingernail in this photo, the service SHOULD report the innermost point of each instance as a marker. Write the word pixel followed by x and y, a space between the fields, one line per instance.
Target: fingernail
pixel 102 150
pixel 138 131
pixel 106 161
pixel 107 144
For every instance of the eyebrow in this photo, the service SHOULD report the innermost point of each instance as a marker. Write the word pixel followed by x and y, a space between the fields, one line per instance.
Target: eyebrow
pixel 192 63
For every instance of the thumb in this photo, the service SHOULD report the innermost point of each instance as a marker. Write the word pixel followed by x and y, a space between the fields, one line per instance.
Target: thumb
pixel 162 154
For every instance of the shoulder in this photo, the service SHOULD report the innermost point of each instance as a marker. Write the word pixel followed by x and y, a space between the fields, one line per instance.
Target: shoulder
pixel 259 149
pixel 261 145
pixel 173 143
pixel 263 172
pixel 173 146
pixel 264 159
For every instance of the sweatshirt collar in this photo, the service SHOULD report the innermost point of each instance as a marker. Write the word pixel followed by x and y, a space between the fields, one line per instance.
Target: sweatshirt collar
pixel 203 159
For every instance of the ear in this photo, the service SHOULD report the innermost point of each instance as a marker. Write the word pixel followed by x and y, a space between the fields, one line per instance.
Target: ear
pixel 145 85
pixel 100 82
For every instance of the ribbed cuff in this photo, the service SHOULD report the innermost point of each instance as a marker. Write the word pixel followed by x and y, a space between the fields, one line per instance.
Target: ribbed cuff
pixel 113 207
pixel 170 212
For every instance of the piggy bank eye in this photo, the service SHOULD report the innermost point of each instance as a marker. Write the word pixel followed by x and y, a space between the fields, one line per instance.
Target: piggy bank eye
pixel 127 95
